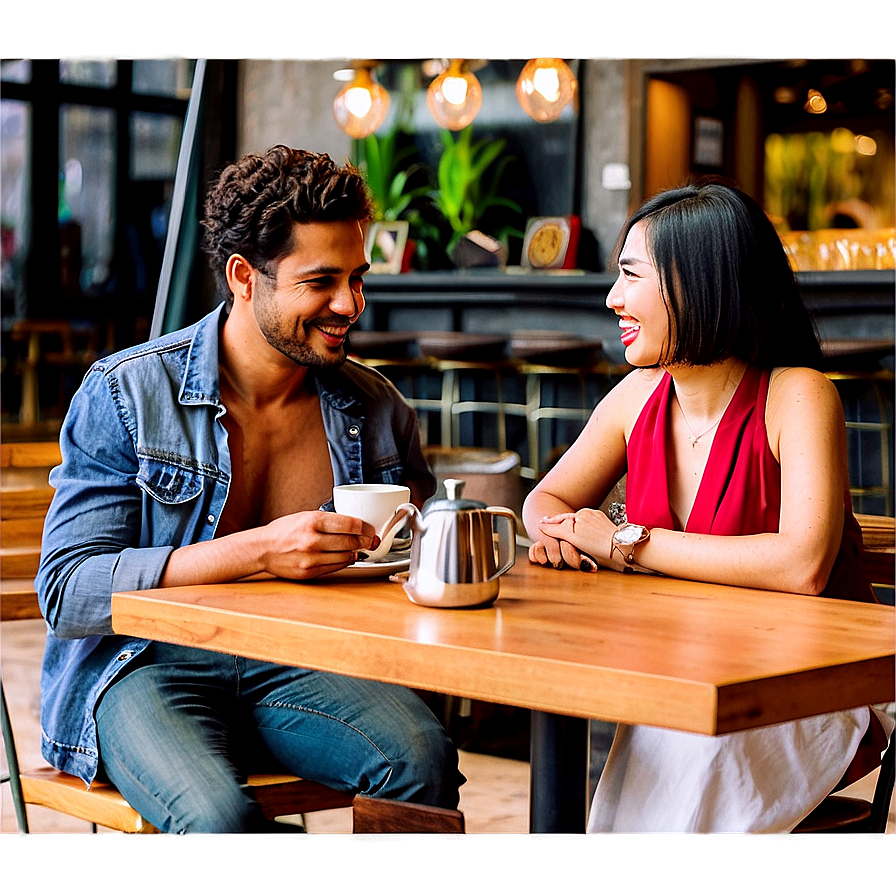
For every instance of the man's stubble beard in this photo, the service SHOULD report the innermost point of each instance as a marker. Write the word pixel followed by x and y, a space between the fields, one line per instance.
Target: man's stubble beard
pixel 270 324
pixel 303 354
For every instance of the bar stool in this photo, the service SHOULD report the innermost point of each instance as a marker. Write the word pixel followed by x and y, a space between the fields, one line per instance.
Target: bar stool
pixel 469 363
pixel 561 396
pixel 478 389
pixel 396 356
pixel 561 390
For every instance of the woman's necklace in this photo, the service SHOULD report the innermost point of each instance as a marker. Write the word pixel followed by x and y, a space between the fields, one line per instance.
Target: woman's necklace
pixel 694 438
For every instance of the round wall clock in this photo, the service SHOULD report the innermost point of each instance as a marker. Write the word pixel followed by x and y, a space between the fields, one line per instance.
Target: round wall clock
pixel 548 243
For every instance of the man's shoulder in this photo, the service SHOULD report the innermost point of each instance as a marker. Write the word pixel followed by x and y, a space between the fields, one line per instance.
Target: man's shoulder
pixel 162 347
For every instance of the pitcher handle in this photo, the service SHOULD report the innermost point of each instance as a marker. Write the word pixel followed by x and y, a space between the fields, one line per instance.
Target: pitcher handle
pixel 506 546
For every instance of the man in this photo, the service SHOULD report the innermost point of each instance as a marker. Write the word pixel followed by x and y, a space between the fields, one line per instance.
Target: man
pixel 210 455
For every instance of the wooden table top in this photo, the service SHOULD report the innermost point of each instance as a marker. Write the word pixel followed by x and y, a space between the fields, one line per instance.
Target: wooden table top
pixel 627 648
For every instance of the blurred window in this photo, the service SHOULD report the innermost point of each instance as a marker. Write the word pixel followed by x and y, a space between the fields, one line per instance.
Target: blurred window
pixel 163 77
pixel 90 150
pixel 88 72
pixel 16 70
pixel 15 190
pixel 155 144
pixel 87 191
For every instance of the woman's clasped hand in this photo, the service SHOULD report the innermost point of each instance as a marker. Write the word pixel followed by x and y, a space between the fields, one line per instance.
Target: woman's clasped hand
pixel 582 540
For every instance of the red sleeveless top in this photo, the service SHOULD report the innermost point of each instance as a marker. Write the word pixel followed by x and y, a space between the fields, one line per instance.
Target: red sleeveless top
pixel 740 492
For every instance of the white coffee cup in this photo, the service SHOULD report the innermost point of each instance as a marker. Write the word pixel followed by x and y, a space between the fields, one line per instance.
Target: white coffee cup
pixel 377 504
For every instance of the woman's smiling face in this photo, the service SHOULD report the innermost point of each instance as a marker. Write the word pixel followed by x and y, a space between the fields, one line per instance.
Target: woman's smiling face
pixel 638 301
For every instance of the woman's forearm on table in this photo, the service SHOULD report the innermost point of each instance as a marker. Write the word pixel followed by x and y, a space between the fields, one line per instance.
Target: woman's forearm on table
pixel 769 561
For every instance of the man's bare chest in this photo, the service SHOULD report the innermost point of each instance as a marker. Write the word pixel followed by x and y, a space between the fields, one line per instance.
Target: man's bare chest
pixel 280 464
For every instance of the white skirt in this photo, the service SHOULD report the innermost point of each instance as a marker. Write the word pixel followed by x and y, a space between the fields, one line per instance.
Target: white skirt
pixel 761 781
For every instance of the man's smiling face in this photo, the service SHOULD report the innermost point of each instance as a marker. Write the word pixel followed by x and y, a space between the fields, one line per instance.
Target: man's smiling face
pixel 305 308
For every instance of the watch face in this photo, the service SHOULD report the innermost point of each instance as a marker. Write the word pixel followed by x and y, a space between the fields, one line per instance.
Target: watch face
pixel 628 535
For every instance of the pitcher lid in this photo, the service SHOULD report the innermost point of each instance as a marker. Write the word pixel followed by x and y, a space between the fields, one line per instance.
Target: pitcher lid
pixel 453 500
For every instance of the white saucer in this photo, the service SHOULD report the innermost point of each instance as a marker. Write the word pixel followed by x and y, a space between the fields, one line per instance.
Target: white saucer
pixel 396 561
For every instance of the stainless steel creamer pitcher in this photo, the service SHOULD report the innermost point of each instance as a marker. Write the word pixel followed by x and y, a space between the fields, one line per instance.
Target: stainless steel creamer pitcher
pixel 459 551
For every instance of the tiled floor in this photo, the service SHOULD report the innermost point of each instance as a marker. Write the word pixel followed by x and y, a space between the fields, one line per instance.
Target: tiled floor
pixel 494 799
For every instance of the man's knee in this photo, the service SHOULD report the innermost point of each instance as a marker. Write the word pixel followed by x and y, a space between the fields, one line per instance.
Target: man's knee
pixel 427 770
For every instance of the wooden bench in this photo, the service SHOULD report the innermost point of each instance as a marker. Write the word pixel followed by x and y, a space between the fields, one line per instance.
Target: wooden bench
pixel 25 495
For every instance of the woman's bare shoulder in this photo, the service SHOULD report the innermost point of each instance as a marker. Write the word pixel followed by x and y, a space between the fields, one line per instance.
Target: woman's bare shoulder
pixel 641 381
pixel 624 402
pixel 798 396
pixel 800 383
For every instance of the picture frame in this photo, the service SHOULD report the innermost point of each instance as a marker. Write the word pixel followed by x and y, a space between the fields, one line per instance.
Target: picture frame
pixel 551 243
pixel 384 246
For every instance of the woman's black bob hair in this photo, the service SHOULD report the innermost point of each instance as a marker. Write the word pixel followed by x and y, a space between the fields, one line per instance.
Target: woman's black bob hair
pixel 725 278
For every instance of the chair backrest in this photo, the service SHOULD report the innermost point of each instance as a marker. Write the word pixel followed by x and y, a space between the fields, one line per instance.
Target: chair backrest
pixel 878 540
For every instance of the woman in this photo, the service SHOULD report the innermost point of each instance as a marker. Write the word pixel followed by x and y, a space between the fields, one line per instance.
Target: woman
pixel 734 452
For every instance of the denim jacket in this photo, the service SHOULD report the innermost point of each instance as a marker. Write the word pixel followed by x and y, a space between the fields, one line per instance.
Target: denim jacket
pixel 145 469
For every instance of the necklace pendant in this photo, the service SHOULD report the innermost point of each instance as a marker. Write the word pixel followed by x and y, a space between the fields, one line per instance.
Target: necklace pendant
pixel 694 441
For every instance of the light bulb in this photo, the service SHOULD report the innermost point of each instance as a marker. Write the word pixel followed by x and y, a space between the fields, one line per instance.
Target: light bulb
pixel 545 87
pixel 361 107
pixel 867 146
pixel 454 97
pixel 816 103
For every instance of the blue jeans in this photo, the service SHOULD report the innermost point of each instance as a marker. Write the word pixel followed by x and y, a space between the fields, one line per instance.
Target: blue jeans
pixel 179 732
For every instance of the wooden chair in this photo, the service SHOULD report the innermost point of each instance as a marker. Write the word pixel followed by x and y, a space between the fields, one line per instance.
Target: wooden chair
pixel 843 814
pixel 879 556
pixel 376 816
pixel 278 794
pixel 102 804
pixel 26 496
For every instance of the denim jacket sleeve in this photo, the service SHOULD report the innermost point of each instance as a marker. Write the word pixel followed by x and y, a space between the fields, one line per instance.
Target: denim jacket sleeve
pixel 91 542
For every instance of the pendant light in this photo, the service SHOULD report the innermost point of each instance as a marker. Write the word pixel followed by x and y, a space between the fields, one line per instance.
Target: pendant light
pixel 545 87
pixel 455 96
pixel 361 106
pixel 816 103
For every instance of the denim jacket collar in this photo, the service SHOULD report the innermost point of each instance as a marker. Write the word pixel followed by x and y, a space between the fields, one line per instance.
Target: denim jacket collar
pixel 201 383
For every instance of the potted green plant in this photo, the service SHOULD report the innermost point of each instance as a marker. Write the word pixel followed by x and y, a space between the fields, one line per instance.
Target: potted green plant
pixel 383 163
pixel 468 178
pixel 401 188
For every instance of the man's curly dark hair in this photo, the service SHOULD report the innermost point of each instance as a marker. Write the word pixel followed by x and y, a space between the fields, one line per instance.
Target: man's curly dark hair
pixel 251 207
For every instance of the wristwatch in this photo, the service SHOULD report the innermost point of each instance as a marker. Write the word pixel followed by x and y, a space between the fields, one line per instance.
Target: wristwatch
pixel 625 538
